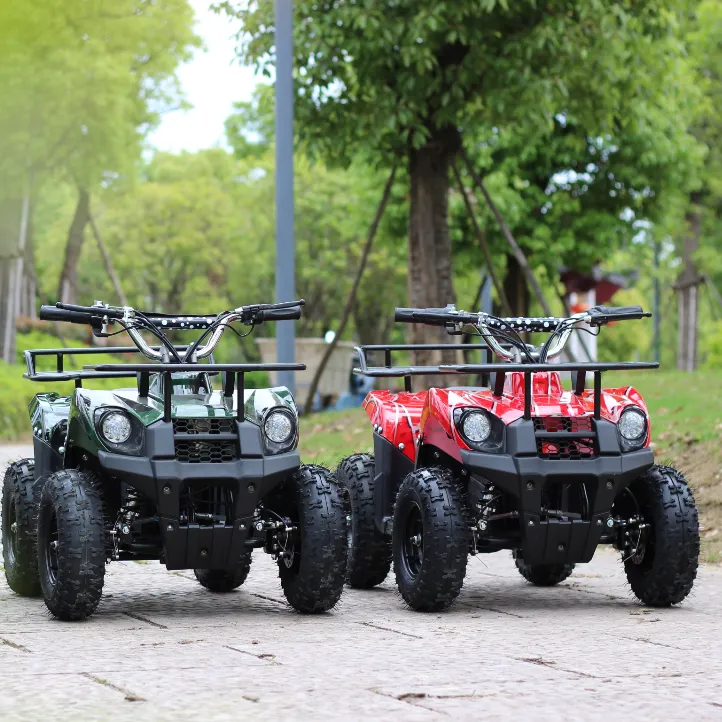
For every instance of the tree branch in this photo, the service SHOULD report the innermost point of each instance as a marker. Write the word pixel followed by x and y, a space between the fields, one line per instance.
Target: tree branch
pixel 516 249
pixel 107 262
pixel 351 300
pixel 482 242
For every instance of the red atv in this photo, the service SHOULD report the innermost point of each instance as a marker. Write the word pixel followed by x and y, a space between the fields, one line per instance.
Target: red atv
pixel 517 463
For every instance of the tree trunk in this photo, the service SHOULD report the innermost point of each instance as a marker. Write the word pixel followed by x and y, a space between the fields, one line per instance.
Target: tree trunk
pixel 68 286
pixel 516 288
pixel 430 282
pixel 14 220
pixel 688 289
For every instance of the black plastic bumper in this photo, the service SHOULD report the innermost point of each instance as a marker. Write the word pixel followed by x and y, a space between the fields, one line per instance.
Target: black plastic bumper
pixel 552 541
pixel 193 546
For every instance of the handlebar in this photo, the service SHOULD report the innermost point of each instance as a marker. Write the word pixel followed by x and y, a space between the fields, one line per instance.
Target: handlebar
pixel 491 326
pixel 100 314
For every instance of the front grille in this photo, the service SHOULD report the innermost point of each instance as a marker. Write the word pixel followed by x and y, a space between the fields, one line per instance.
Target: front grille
pixel 559 447
pixel 562 423
pixel 204 426
pixel 205 452
pixel 194 442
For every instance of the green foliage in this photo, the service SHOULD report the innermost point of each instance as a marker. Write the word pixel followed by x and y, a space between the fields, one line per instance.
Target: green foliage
pixel 82 81
pixel 197 235
pixel 384 75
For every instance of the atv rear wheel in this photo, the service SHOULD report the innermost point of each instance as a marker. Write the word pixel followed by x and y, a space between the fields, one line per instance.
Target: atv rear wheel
pixel 369 550
pixel 543 575
pixel 20 496
pixel 71 549
pixel 663 567
pixel 312 565
pixel 430 539
pixel 225 580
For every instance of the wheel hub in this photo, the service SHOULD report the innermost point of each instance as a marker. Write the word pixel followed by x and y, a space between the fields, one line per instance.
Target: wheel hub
pixel 12 537
pixel 413 536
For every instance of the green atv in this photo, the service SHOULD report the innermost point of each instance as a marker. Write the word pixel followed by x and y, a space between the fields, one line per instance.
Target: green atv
pixel 171 470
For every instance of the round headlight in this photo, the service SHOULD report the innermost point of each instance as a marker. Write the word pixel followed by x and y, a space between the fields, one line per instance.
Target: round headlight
pixel 476 426
pixel 632 424
pixel 116 428
pixel 278 427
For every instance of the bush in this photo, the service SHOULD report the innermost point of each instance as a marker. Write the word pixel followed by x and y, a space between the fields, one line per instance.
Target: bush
pixel 712 347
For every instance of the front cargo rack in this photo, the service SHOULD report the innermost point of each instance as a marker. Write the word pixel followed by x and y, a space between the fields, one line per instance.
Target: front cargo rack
pixel 234 380
pixel 494 374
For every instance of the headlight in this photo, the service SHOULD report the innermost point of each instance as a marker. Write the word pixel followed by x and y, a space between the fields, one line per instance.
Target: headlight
pixel 479 429
pixel 280 430
pixel 278 427
pixel 633 424
pixel 476 426
pixel 119 430
pixel 116 428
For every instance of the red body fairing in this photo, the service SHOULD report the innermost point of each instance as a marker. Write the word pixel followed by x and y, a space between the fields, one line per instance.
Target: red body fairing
pixel 407 418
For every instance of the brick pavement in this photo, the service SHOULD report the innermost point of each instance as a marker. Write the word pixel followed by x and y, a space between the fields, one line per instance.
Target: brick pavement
pixel 162 648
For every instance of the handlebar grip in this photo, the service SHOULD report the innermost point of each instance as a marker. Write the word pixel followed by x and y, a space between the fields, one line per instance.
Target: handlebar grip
pixel 97 311
pixel 51 313
pixel 603 314
pixel 404 315
pixel 281 314
pixel 428 316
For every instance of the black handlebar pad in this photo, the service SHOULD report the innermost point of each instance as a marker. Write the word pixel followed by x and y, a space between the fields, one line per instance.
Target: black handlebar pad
pixel 603 314
pixel 522 324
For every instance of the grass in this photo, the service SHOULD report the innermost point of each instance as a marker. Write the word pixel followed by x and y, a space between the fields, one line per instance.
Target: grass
pixel 686 414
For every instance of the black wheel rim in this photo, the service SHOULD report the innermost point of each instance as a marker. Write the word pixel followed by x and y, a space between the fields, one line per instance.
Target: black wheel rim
pixel 51 549
pixel 413 541
pixel 11 532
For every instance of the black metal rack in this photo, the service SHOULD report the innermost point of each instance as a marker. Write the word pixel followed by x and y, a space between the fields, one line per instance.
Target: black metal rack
pixel 234 373
pixel 579 370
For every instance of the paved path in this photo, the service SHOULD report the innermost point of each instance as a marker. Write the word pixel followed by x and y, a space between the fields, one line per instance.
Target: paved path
pixel 162 648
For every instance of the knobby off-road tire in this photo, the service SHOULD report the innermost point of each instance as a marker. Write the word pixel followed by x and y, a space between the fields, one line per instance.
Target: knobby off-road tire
pixel 369 550
pixel 667 570
pixel 71 549
pixel 20 496
pixel 313 578
pixel 430 574
pixel 543 575
pixel 225 580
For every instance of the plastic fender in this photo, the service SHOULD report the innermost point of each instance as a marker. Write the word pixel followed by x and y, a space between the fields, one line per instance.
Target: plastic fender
pixel 397 417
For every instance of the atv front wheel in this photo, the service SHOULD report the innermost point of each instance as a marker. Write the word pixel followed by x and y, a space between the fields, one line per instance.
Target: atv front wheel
pixel 369 550
pixel 20 495
pixel 225 580
pixel 430 539
pixel 663 566
pixel 543 575
pixel 71 549
pixel 312 565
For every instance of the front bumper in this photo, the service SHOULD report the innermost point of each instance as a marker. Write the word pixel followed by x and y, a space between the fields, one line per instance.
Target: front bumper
pixel 524 477
pixel 162 479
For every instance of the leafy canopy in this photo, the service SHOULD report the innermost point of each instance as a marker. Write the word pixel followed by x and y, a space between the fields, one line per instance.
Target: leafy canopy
pixel 81 80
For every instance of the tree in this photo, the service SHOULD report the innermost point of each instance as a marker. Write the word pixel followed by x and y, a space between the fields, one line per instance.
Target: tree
pixel 81 83
pixel 406 79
